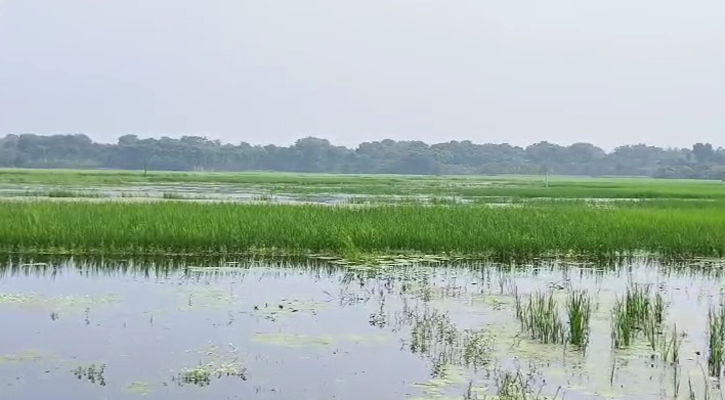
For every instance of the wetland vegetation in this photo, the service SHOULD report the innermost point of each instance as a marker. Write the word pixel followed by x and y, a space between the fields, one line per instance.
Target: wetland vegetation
pixel 671 229
pixel 267 285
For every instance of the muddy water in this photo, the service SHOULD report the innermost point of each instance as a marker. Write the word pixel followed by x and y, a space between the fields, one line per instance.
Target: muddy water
pixel 217 330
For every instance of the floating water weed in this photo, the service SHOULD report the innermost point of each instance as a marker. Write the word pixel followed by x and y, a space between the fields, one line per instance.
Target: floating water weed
pixel 93 373
pixel 202 374
pixel 29 355
pixel 519 386
pixel 141 388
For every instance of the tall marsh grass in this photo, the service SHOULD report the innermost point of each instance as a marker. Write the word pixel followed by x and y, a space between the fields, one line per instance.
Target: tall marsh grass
pixel 179 227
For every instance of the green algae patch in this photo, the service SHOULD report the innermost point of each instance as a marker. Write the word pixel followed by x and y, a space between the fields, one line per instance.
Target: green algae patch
pixel 448 380
pixel 287 308
pixel 41 302
pixel 208 297
pixel 203 373
pixel 139 388
pixel 29 355
pixel 292 340
pixel 305 341
pixel 216 363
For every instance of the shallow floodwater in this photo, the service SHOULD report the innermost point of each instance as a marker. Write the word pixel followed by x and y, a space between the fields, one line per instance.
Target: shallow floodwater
pixel 208 192
pixel 303 330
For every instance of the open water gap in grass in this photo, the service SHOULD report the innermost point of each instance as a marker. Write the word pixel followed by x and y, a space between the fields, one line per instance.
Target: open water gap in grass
pixel 208 192
pixel 269 193
pixel 125 329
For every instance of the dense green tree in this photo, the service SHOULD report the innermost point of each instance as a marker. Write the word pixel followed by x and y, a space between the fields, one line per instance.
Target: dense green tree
pixel 310 154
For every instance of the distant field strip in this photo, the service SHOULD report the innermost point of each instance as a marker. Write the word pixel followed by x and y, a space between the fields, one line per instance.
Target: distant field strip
pixel 465 186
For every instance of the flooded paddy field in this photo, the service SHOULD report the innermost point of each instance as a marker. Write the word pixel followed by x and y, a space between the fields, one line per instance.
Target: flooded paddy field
pixel 415 328
pixel 386 296
pixel 338 189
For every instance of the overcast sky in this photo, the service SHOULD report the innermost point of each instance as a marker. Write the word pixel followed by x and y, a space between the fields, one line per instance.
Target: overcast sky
pixel 272 71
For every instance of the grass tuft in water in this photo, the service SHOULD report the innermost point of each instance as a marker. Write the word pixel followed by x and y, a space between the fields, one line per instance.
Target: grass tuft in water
pixel 623 327
pixel 638 312
pixel 716 340
pixel 539 317
pixel 579 310
pixel 670 346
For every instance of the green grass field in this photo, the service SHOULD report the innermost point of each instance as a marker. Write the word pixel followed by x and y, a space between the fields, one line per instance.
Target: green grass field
pixel 680 218
pixel 669 229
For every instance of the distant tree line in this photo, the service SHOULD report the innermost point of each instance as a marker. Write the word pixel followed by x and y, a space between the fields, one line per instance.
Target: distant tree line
pixel 193 153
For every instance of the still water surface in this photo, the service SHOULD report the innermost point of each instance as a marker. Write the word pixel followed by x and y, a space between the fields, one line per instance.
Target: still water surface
pixel 299 330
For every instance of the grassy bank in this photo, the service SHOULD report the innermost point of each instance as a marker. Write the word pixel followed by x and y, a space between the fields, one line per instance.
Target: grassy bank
pixel 177 227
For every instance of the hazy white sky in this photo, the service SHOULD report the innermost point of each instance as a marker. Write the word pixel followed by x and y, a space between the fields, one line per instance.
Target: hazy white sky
pixel 271 71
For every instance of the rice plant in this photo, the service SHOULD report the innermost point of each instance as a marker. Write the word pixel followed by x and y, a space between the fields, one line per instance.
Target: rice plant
pixel 226 228
pixel 658 309
pixel 669 346
pixel 638 312
pixel 623 326
pixel 716 340
pixel 638 303
pixel 579 310
pixel 539 317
